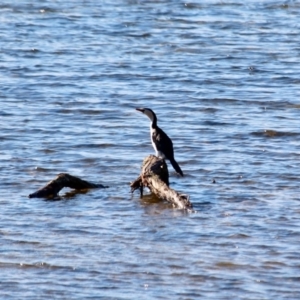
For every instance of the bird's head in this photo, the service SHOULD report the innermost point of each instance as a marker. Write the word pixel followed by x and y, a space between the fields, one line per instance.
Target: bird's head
pixel 148 112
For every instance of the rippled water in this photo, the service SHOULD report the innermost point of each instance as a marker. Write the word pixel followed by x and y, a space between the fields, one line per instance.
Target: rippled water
pixel 223 78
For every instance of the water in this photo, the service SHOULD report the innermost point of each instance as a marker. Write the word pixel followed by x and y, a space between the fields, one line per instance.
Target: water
pixel 223 78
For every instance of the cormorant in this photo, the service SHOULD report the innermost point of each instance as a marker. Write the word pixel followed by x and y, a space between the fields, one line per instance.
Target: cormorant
pixel 162 144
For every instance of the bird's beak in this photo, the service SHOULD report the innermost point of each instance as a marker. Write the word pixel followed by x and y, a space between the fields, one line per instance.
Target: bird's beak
pixel 140 109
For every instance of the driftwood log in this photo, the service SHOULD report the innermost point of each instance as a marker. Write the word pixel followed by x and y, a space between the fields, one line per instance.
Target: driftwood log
pixel 52 188
pixel 155 176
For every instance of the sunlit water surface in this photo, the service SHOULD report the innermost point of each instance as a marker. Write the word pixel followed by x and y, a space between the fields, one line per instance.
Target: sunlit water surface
pixel 223 78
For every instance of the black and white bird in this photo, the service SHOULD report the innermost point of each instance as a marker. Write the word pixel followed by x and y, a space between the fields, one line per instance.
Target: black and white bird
pixel 161 143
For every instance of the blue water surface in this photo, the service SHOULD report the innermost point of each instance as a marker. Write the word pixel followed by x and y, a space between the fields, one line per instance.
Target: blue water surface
pixel 223 78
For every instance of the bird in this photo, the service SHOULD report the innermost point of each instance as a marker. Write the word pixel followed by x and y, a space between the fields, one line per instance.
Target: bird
pixel 161 143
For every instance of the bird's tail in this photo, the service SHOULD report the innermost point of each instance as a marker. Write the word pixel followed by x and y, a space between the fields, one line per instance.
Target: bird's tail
pixel 176 166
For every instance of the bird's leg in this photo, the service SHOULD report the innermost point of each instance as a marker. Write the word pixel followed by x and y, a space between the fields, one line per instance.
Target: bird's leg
pixel 141 189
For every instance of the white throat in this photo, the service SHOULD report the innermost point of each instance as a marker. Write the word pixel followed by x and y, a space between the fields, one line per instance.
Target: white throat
pixel 149 114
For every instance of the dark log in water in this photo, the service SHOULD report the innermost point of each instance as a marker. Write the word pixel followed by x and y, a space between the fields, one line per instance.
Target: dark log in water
pixel 52 188
pixel 155 176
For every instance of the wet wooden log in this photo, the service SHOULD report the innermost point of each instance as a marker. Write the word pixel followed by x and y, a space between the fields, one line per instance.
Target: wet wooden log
pixel 155 176
pixel 52 188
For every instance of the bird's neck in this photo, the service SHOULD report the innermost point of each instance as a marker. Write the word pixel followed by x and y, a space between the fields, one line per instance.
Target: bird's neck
pixel 154 123
pixel 151 115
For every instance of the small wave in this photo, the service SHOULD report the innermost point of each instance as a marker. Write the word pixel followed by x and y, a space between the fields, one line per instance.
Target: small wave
pixel 39 265
pixel 214 123
pixel 228 265
pixel 239 236
pixel 270 133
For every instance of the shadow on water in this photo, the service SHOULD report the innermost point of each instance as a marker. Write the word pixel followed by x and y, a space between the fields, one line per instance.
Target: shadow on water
pixel 69 195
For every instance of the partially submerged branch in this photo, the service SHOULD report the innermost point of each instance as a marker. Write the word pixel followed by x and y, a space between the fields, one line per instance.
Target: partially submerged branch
pixel 52 188
pixel 155 176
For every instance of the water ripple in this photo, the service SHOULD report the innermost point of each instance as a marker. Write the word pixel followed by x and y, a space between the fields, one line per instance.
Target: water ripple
pixel 223 79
